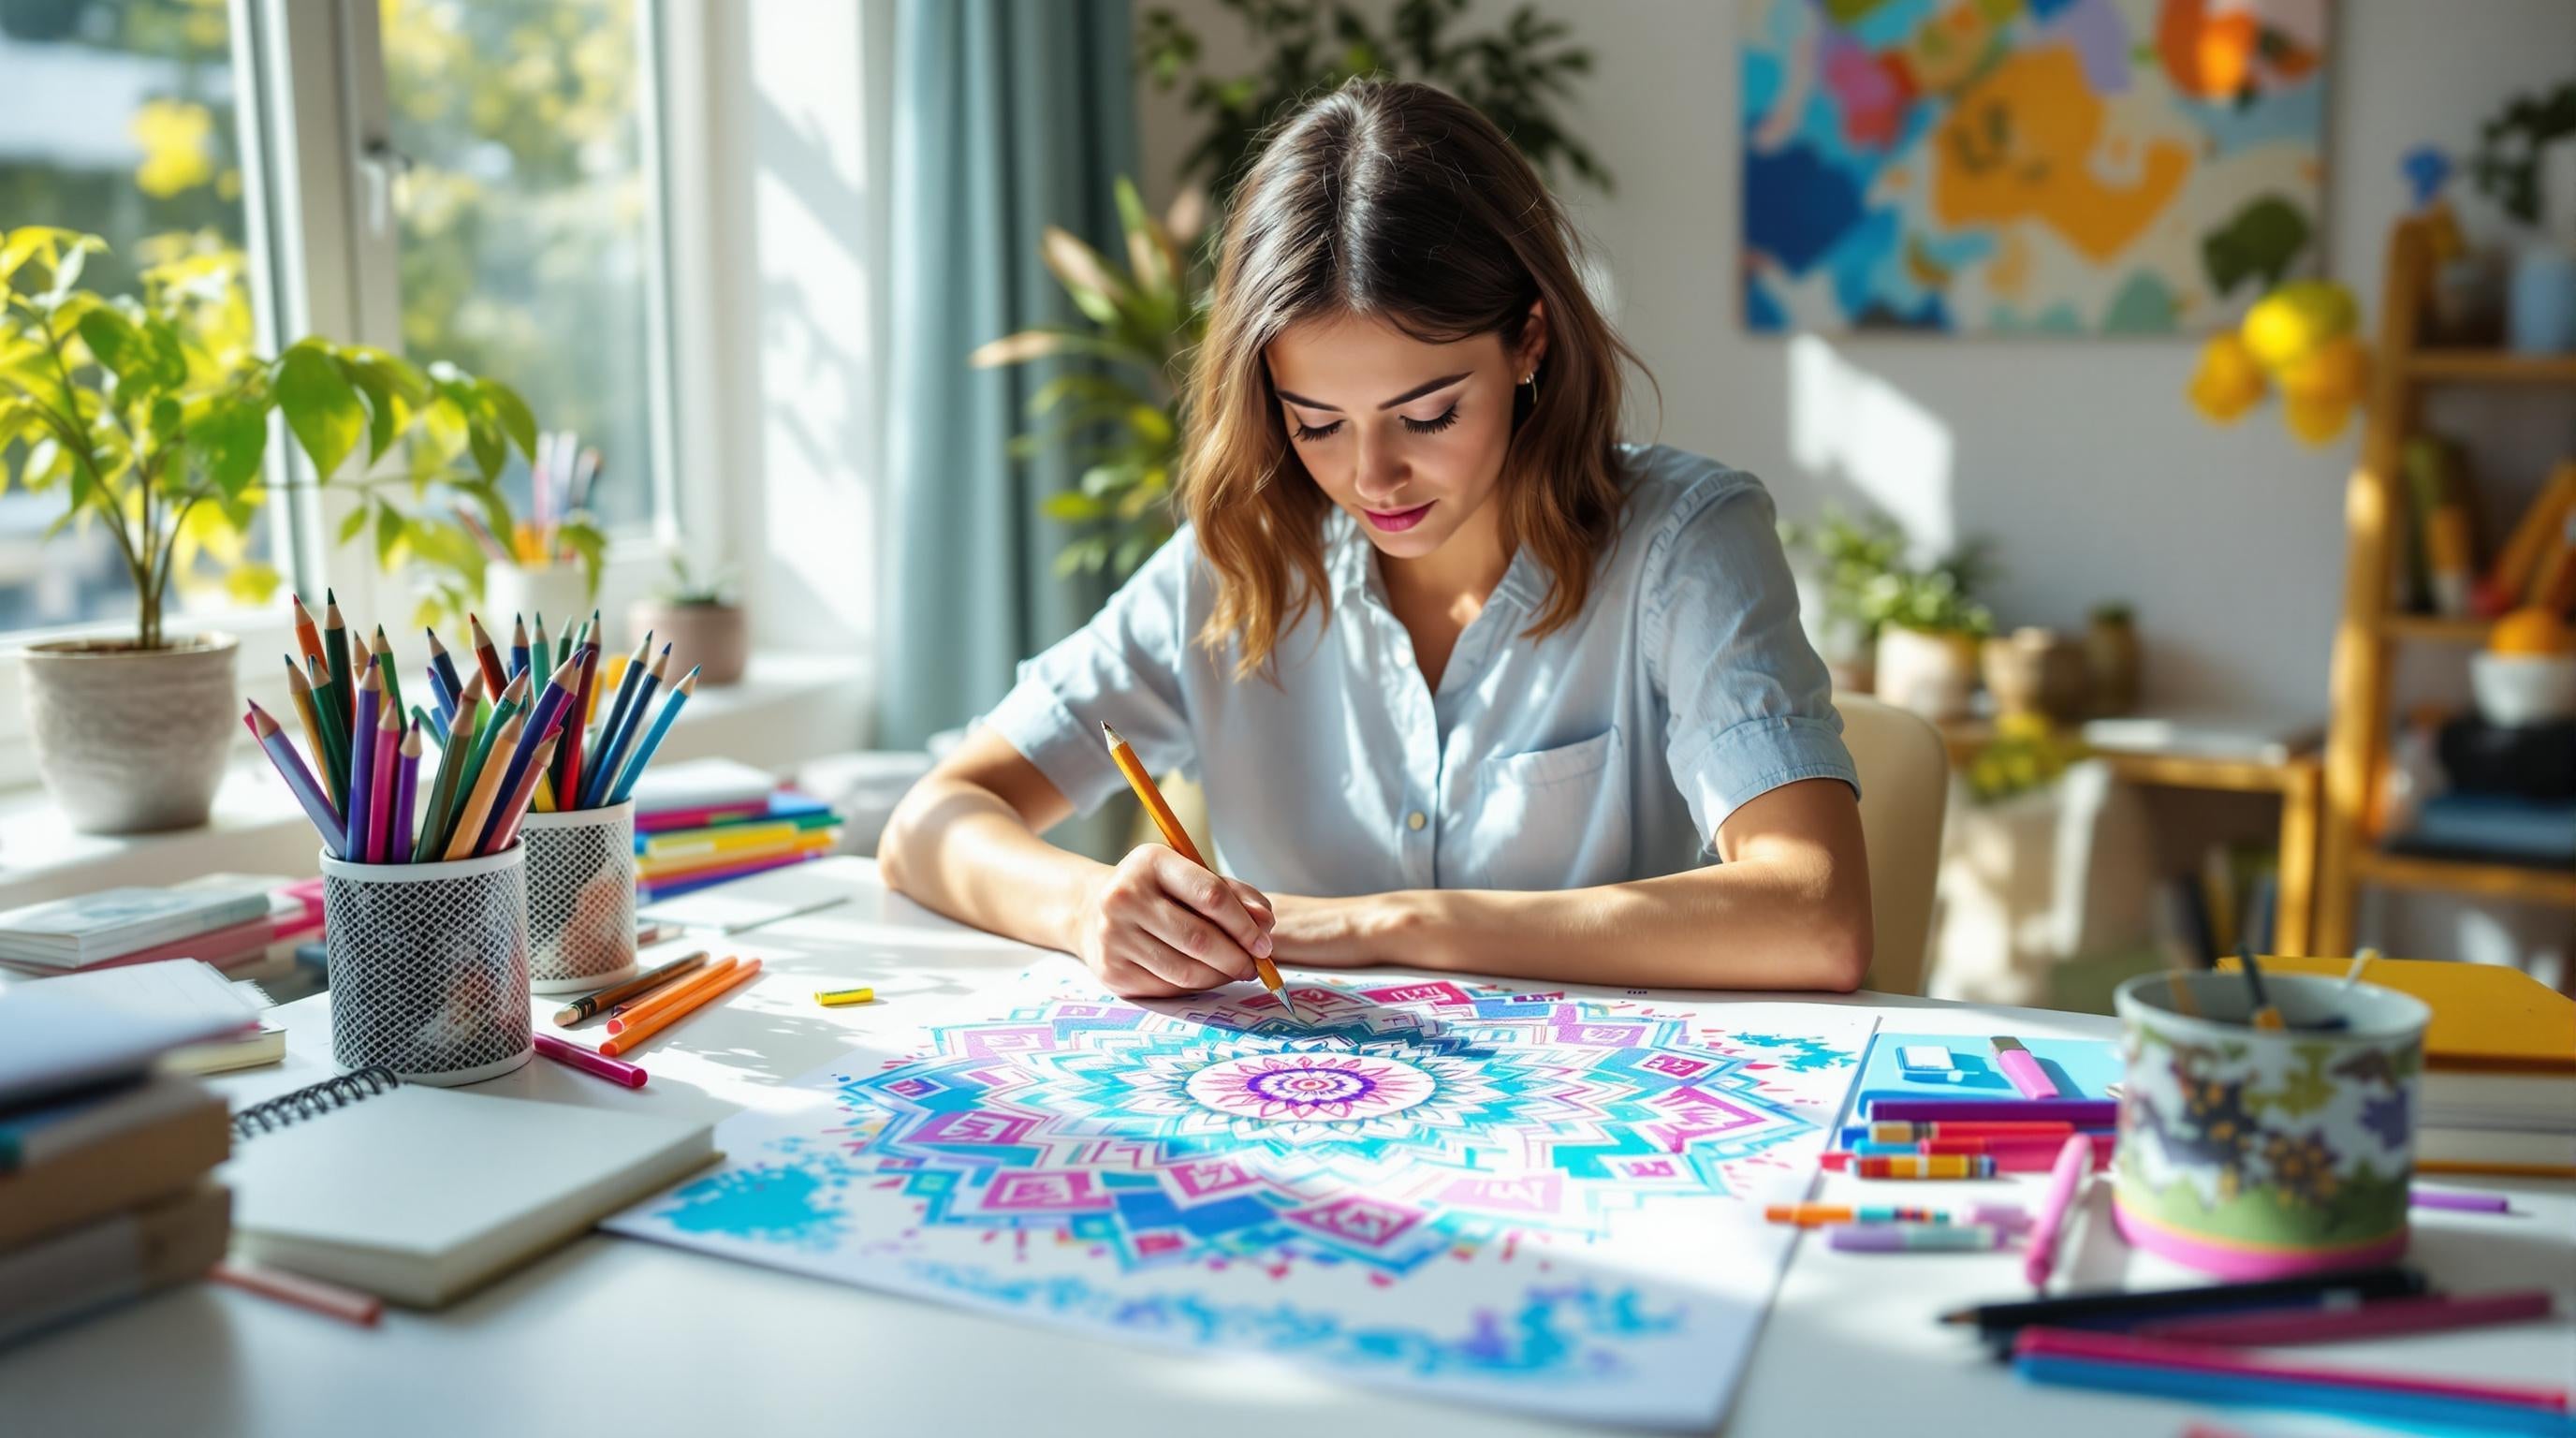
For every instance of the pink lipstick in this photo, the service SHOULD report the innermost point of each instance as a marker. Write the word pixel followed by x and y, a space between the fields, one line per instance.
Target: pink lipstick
pixel 1396 521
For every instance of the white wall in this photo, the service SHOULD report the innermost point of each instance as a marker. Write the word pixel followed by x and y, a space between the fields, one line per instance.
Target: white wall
pixel 2079 457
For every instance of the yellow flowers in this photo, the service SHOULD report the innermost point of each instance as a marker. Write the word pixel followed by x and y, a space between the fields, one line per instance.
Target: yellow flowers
pixel 177 138
pixel 2301 338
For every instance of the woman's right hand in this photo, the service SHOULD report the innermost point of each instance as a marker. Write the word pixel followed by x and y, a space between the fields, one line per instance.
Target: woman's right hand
pixel 1158 926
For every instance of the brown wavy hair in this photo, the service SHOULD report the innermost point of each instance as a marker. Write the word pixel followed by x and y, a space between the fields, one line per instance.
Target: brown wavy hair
pixel 1397 201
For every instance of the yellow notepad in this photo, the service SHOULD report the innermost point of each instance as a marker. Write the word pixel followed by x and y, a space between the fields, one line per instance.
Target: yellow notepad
pixel 2485 1016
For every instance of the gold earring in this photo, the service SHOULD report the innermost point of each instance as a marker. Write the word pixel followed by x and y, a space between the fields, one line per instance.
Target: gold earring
pixel 1531 379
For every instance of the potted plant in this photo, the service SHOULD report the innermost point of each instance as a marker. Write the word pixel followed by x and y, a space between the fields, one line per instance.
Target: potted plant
pixel 149 415
pixel 1908 633
pixel 701 616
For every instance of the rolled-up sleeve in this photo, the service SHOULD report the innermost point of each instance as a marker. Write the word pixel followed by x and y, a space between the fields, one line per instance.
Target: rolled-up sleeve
pixel 1749 705
pixel 1124 668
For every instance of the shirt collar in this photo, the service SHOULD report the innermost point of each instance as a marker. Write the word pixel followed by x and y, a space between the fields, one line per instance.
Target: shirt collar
pixel 1348 561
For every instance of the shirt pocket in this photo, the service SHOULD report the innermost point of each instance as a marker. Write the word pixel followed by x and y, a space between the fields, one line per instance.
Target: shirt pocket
pixel 1550 818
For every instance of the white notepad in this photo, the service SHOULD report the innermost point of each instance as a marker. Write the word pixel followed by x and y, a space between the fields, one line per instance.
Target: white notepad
pixel 422 1194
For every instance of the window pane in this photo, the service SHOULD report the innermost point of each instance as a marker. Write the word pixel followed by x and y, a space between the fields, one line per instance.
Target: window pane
pixel 118 121
pixel 525 217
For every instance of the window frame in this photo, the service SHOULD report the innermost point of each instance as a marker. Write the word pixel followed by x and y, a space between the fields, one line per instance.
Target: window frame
pixel 319 225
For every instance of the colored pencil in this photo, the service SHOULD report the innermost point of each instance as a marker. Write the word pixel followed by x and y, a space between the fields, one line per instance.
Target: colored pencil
pixel 590 1006
pixel 380 805
pixel 617 1044
pixel 2458 1202
pixel 568 775
pixel 2081 1112
pixel 308 635
pixel 406 796
pixel 518 646
pixel 573 1055
pixel 1178 838
pixel 384 652
pixel 429 723
pixel 299 780
pixel 451 764
pixel 487 657
pixel 540 648
pixel 714 975
pixel 1919 1132
pixel 2409 1410
pixel 443 665
pixel 307 714
pixel 2121 1309
pixel 643 755
pixel 335 756
pixel 540 728
pixel 335 650
pixel 327 1299
pixel 623 727
pixel 1916 1238
pixel 441 698
pixel 566 643
pixel 627 679
pixel 2074 1165
pixel 2428 1313
pixel 504 824
pixel 362 772
pixel 2127 1349
pixel 484 792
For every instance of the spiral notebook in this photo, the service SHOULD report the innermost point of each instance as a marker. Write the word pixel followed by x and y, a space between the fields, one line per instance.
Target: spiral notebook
pixel 421 1195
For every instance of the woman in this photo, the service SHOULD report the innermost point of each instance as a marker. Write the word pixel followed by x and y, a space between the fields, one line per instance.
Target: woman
pixel 1470 685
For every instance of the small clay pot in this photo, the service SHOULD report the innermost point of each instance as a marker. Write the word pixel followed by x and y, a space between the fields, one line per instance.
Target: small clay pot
pixel 716 638
pixel 2037 671
pixel 133 741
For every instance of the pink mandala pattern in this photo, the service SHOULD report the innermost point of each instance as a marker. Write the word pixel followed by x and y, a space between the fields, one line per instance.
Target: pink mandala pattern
pixel 1310 1087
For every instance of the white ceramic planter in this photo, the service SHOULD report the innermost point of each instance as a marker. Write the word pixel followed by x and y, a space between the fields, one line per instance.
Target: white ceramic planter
pixel 132 741
pixel 560 592
pixel 1931 674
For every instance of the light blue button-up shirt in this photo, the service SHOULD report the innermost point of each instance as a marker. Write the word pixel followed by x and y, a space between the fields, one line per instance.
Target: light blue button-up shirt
pixel 1611 749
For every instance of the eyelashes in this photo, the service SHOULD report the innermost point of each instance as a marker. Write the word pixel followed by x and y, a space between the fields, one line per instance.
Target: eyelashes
pixel 1308 434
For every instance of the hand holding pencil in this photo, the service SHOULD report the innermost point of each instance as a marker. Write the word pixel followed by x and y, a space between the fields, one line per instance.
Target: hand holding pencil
pixel 1162 923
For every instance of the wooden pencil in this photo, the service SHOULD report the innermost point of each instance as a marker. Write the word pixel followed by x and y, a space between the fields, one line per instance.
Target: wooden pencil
pixel 487 657
pixel 301 692
pixel 614 742
pixel 443 664
pixel 739 975
pixel 567 776
pixel 335 649
pixel 625 1016
pixel 380 805
pixel 326 706
pixel 384 652
pixel 308 636
pixel 514 805
pixel 485 793
pixel 362 770
pixel 518 646
pixel 406 796
pixel 642 754
pixel 299 780
pixel 451 763
pixel 627 679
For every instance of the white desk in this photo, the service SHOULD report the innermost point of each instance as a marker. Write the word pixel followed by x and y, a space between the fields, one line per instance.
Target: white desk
pixel 710 1349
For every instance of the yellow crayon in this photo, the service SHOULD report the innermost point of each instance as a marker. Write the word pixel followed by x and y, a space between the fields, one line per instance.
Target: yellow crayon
pixel 839 998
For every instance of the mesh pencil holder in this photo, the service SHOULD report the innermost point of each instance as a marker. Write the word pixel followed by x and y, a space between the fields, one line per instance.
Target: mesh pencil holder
pixel 581 898
pixel 429 966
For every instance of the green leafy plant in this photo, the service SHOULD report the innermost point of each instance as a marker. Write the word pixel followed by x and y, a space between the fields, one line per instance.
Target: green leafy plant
pixel 1116 415
pixel 2506 164
pixel 692 588
pixel 1870 581
pixel 149 414
pixel 1517 75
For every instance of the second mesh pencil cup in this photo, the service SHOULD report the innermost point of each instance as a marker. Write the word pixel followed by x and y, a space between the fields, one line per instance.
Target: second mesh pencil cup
pixel 429 966
pixel 581 898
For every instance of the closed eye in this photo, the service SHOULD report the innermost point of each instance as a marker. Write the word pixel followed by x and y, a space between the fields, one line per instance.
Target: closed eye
pixel 1309 434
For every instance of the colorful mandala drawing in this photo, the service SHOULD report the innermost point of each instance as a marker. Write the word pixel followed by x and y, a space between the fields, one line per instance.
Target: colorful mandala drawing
pixel 1393 1126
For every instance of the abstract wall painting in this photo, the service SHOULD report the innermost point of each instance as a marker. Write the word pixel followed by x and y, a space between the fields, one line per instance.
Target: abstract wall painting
pixel 1550 1201
pixel 2027 166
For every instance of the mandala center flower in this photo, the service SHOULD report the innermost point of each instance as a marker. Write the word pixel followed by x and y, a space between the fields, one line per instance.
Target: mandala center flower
pixel 1310 1087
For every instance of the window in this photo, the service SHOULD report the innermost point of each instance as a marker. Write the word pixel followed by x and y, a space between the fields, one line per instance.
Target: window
pixel 526 223
pixel 120 122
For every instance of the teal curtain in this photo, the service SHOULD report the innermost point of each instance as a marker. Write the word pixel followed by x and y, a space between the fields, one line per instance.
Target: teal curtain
pixel 1009 115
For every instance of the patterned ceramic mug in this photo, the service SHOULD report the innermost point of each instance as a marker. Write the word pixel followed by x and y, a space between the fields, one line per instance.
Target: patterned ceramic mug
pixel 2253 1153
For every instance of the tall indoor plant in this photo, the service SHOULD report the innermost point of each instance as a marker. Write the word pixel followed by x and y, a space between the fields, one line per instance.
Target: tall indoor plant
pixel 149 415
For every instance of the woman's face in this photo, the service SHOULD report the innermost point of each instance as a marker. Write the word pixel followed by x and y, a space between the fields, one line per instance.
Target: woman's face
pixel 1406 435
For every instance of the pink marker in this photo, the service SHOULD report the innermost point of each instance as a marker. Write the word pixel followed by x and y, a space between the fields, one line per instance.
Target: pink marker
pixel 2024 1071
pixel 573 1055
pixel 2074 1165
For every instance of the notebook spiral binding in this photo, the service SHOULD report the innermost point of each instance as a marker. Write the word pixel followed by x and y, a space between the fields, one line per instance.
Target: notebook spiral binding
pixel 313 1100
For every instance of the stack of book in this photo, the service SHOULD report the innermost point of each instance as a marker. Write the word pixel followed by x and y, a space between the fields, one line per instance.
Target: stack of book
pixel 713 820
pixel 2499 1093
pixel 104 1158
pixel 228 920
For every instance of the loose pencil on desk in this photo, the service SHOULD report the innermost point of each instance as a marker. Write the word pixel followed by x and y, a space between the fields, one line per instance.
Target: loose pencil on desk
pixel 384 652
pixel 487 657
pixel 677 996
pixel 514 802
pixel 485 793
pixel 380 806
pixel 443 665
pixel 299 780
pixel 741 974
pixel 362 771
pixel 643 754
pixel 1178 838
pixel 406 795
pixel 615 740
pixel 301 693
pixel 518 646
pixel 335 649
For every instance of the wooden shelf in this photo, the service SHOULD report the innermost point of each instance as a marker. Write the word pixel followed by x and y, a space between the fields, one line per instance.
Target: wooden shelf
pixel 2482 878
pixel 2438 628
pixel 2479 366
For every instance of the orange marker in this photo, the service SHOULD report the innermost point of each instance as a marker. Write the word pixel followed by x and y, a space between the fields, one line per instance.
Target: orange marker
pixel 1179 839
